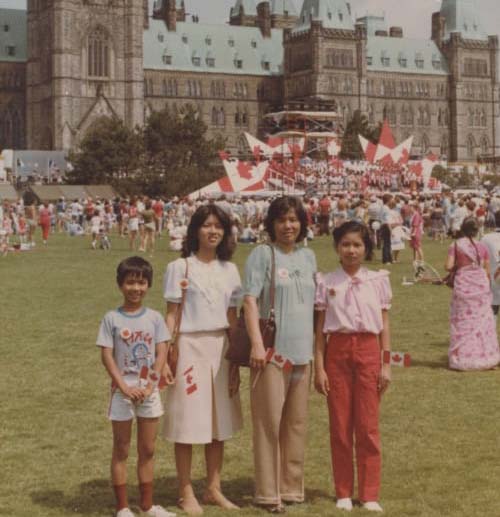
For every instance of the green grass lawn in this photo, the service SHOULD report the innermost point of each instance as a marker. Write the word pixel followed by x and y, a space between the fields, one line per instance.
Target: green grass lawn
pixel 440 429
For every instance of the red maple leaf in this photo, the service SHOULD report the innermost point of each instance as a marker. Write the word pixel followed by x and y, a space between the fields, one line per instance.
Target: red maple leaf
pixel 244 170
pixel 397 358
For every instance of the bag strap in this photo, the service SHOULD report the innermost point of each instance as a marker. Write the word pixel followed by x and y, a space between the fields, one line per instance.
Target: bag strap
pixel 272 288
pixel 180 308
pixel 478 258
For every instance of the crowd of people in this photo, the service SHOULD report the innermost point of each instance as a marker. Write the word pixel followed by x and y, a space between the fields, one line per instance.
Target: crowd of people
pixel 345 175
pixel 339 318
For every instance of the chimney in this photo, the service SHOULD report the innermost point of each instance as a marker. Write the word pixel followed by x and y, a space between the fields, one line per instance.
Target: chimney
pixel 438 24
pixel 264 18
pixel 145 8
pixel 396 32
pixel 169 13
pixel 381 33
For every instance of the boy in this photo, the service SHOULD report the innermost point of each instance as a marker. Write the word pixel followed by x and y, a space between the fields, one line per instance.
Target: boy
pixel 133 341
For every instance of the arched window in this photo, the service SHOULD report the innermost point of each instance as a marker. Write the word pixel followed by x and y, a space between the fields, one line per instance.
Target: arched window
pixel 478 118
pixel 470 118
pixel 425 144
pixel 483 119
pixel 371 114
pixel 98 54
pixel 222 117
pixel 443 148
pixel 214 116
pixel 471 146
pixel 410 116
pixel 242 144
pixel 485 146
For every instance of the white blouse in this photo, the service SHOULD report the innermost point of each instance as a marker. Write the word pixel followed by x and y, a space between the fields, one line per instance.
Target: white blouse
pixel 212 288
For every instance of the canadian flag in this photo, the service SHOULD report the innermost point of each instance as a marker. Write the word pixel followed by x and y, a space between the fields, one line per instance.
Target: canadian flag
pixel 396 359
pixel 278 360
pixel 149 376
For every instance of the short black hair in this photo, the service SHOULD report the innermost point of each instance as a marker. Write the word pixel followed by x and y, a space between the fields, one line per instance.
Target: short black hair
pixel 281 206
pixel 354 227
pixel 470 227
pixel 135 266
pixel 191 243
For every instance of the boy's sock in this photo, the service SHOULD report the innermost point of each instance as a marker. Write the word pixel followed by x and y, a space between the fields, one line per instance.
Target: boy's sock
pixel 146 490
pixel 121 496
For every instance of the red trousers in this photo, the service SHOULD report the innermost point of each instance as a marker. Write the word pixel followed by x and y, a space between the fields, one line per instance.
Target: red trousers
pixel 45 230
pixel 353 364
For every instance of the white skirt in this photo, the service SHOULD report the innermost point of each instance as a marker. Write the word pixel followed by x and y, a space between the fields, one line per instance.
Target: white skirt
pixel 198 408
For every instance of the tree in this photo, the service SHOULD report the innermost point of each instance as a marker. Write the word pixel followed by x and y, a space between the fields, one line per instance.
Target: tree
pixel 108 152
pixel 351 146
pixel 179 158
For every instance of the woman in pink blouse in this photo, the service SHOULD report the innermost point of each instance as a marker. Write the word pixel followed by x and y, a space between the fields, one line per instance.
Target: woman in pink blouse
pixel 473 335
pixel 351 332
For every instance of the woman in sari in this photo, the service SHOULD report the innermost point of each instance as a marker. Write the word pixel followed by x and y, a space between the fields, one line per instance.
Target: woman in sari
pixel 473 337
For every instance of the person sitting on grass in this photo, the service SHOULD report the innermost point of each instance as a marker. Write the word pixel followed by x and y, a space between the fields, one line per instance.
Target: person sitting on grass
pixel 134 338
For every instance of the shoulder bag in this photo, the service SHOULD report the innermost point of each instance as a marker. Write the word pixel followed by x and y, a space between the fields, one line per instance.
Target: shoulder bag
pixel 449 279
pixel 239 341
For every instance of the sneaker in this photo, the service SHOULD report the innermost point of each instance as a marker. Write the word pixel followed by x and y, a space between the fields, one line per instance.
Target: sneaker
pixel 372 506
pixel 158 511
pixel 125 512
pixel 344 503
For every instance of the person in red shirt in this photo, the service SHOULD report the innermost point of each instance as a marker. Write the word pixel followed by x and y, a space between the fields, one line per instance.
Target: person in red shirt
pixel 158 208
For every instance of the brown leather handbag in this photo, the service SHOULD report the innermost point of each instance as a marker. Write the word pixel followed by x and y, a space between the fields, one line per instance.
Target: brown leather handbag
pixel 239 340
pixel 173 351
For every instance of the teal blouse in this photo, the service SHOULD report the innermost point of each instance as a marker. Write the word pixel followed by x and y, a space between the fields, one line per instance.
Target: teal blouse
pixel 294 297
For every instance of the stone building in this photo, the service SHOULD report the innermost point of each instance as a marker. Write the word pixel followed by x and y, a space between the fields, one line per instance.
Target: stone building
pixel 65 62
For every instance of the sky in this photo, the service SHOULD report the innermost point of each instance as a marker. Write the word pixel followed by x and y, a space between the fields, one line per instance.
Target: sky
pixel 413 16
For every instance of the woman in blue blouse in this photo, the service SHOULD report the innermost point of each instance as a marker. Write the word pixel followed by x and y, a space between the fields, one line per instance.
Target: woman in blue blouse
pixel 280 384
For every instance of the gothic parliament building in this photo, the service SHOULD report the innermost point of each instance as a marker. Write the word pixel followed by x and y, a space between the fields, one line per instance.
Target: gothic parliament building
pixel 63 63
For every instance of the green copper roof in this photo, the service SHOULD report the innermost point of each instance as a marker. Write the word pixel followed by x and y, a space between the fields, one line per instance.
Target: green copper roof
pixel 283 6
pixel 249 7
pixel 463 16
pixel 13 35
pixel 373 23
pixel 199 47
pixel 405 55
pixel 334 14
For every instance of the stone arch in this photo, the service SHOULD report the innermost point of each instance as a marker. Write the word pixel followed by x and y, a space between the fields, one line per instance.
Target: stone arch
pixel 471 146
pixel 484 144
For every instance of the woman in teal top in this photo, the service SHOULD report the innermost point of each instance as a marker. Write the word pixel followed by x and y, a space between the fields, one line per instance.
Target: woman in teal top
pixel 280 381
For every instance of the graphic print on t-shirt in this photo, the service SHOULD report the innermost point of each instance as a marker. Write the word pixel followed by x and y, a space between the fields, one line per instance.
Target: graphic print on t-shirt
pixel 138 352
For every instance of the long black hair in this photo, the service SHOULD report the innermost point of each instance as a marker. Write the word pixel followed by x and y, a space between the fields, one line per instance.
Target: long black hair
pixel 354 227
pixel 191 243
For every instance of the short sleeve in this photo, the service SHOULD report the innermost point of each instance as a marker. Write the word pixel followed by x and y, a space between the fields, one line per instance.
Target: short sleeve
pixel 312 260
pixel 162 333
pixel 483 251
pixel 385 292
pixel 255 272
pixel 237 292
pixel 105 334
pixel 320 297
pixel 172 291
